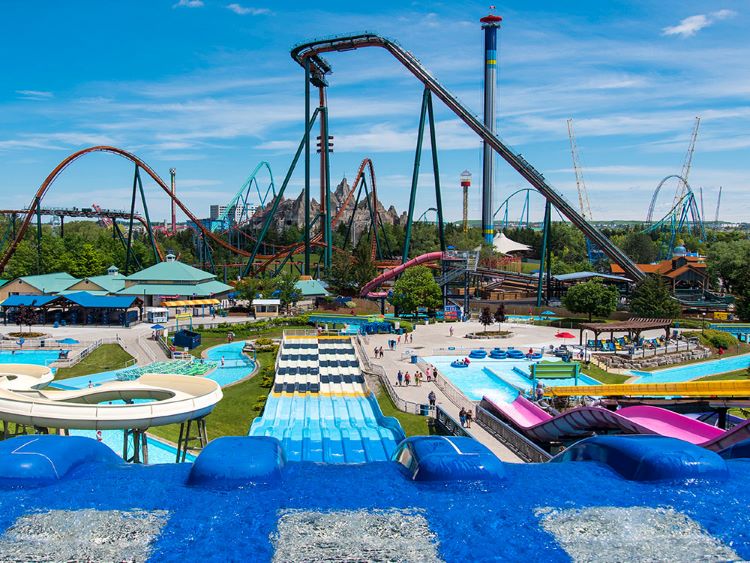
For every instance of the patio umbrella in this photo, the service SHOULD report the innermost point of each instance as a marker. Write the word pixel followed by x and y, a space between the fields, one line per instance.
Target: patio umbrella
pixel 158 327
pixel 564 335
pixel 67 341
pixel 548 313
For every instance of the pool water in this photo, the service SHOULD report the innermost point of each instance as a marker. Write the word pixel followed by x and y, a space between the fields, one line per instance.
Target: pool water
pixel 693 371
pixel 472 521
pixel 236 364
pixel 36 357
pixel 500 380
pixel 511 318
pixel 158 452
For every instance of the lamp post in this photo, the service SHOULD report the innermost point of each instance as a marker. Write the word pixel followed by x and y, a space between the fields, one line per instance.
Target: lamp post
pixel 703 324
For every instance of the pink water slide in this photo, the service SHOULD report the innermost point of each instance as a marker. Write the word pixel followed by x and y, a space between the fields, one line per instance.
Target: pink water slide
pixel 542 426
pixel 390 274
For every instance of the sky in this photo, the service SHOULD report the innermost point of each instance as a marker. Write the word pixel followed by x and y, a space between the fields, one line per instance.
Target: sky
pixel 208 87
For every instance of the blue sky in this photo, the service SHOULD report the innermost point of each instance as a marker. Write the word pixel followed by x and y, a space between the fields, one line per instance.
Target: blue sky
pixel 208 87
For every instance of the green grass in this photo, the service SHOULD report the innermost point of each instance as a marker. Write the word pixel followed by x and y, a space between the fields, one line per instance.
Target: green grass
pixel 604 376
pixel 105 358
pixel 739 374
pixel 232 415
pixel 413 424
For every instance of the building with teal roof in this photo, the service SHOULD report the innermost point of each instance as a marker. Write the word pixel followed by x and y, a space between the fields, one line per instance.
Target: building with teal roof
pixel 171 280
pixel 44 284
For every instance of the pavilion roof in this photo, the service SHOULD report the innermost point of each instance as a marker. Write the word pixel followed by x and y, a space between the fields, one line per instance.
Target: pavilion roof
pixel 634 324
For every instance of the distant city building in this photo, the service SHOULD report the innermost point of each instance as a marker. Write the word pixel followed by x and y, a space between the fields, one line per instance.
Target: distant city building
pixel 236 213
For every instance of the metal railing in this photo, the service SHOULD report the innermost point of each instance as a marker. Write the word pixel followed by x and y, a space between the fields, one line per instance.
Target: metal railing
pixel 453 393
pixel 449 424
pixel 378 371
pixel 513 440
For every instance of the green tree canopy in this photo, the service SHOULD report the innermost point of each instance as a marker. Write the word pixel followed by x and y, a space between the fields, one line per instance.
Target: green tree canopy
pixel 729 262
pixel 286 285
pixel 486 318
pixel 640 247
pixel 416 288
pixel 591 298
pixel 651 298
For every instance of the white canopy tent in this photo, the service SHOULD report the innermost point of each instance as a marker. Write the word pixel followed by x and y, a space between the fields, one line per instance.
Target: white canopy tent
pixel 504 245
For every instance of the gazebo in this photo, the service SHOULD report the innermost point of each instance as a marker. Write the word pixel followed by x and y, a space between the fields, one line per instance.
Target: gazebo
pixel 633 327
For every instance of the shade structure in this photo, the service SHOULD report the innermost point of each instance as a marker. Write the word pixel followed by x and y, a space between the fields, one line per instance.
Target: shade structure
pixel 564 335
pixel 67 341
pixel 158 327
pixel 504 245
pixel 190 302
pixel 548 313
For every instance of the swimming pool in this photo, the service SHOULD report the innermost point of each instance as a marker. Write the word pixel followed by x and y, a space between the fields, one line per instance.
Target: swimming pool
pixel 236 364
pixel 158 452
pixel 498 379
pixel 36 357
pixel 693 371
pixel 511 318
pixel 551 512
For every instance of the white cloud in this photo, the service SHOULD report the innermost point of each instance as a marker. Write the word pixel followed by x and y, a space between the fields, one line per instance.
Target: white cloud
pixel 241 10
pixel 693 24
pixel 34 94
pixel 189 4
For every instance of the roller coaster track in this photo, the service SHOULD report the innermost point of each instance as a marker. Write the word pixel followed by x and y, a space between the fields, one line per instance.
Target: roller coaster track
pixel 319 67
pixel 84 213
pixel 686 188
pixel 31 211
pixel 242 194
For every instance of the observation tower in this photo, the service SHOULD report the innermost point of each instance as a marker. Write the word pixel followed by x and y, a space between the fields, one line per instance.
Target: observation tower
pixel 490 25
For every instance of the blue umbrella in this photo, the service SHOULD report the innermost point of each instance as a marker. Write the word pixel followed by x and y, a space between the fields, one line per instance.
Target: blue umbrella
pixel 548 313
pixel 67 341
pixel 158 327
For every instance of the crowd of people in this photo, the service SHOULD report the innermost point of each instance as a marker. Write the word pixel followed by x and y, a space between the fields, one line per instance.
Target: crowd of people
pixel 405 378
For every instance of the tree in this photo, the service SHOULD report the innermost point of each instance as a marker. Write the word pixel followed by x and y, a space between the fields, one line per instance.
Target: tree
pixel 651 298
pixel 249 288
pixel 640 247
pixel 728 262
pixel 25 316
pixel 486 318
pixel 349 272
pixel 286 288
pixel 500 315
pixel 416 288
pixel 591 298
pixel 742 307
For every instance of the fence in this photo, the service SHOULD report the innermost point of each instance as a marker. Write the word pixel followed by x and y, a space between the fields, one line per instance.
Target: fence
pixel 379 372
pixel 514 441
pixel 448 424
pixel 452 392
pixel 69 362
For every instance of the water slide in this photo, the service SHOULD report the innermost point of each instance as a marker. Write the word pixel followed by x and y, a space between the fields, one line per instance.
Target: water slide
pixel 320 408
pixel 540 425
pixel 151 400
pixel 390 274
pixel 728 388
pixel 309 54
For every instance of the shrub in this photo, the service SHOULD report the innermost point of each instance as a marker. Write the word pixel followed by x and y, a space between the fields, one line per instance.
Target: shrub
pixel 713 338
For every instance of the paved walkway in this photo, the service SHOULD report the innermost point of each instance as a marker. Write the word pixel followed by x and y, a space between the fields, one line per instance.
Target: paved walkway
pixel 435 339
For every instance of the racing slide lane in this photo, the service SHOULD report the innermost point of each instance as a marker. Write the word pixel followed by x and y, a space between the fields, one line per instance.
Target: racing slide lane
pixel 390 274
pixel 542 426
pixel 310 53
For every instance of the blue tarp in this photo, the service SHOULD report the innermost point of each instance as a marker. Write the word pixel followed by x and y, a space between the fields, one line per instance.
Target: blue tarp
pixel 29 300
pixel 85 299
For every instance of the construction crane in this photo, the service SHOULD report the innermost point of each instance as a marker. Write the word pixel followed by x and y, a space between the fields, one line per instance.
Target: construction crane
pixel 718 204
pixel 583 195
pixel 687 163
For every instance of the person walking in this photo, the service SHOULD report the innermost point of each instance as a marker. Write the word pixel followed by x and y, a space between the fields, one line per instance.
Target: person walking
pixel 399 378
pixel 469 418
pixel 431 398
pixel 418 378
pixel 407 378
pixel 450 332
pixel 462 417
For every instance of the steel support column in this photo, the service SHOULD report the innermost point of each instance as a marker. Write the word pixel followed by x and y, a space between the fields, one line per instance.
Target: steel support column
pixel 307 167
pixel 436 171
pixel 415 176
pixel 148 220
pixel 277 199
pixel 328 253
pixel 129 246
pixel 38 204
pixel 543 256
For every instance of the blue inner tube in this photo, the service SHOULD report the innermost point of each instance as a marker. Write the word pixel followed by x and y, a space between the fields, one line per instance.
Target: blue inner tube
pixel 536 356
pixel 477 354
pixel 498 355
pixel 458 364
pixel 516 354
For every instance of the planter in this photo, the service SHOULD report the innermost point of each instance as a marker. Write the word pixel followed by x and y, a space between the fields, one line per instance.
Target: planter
pixel 489 335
